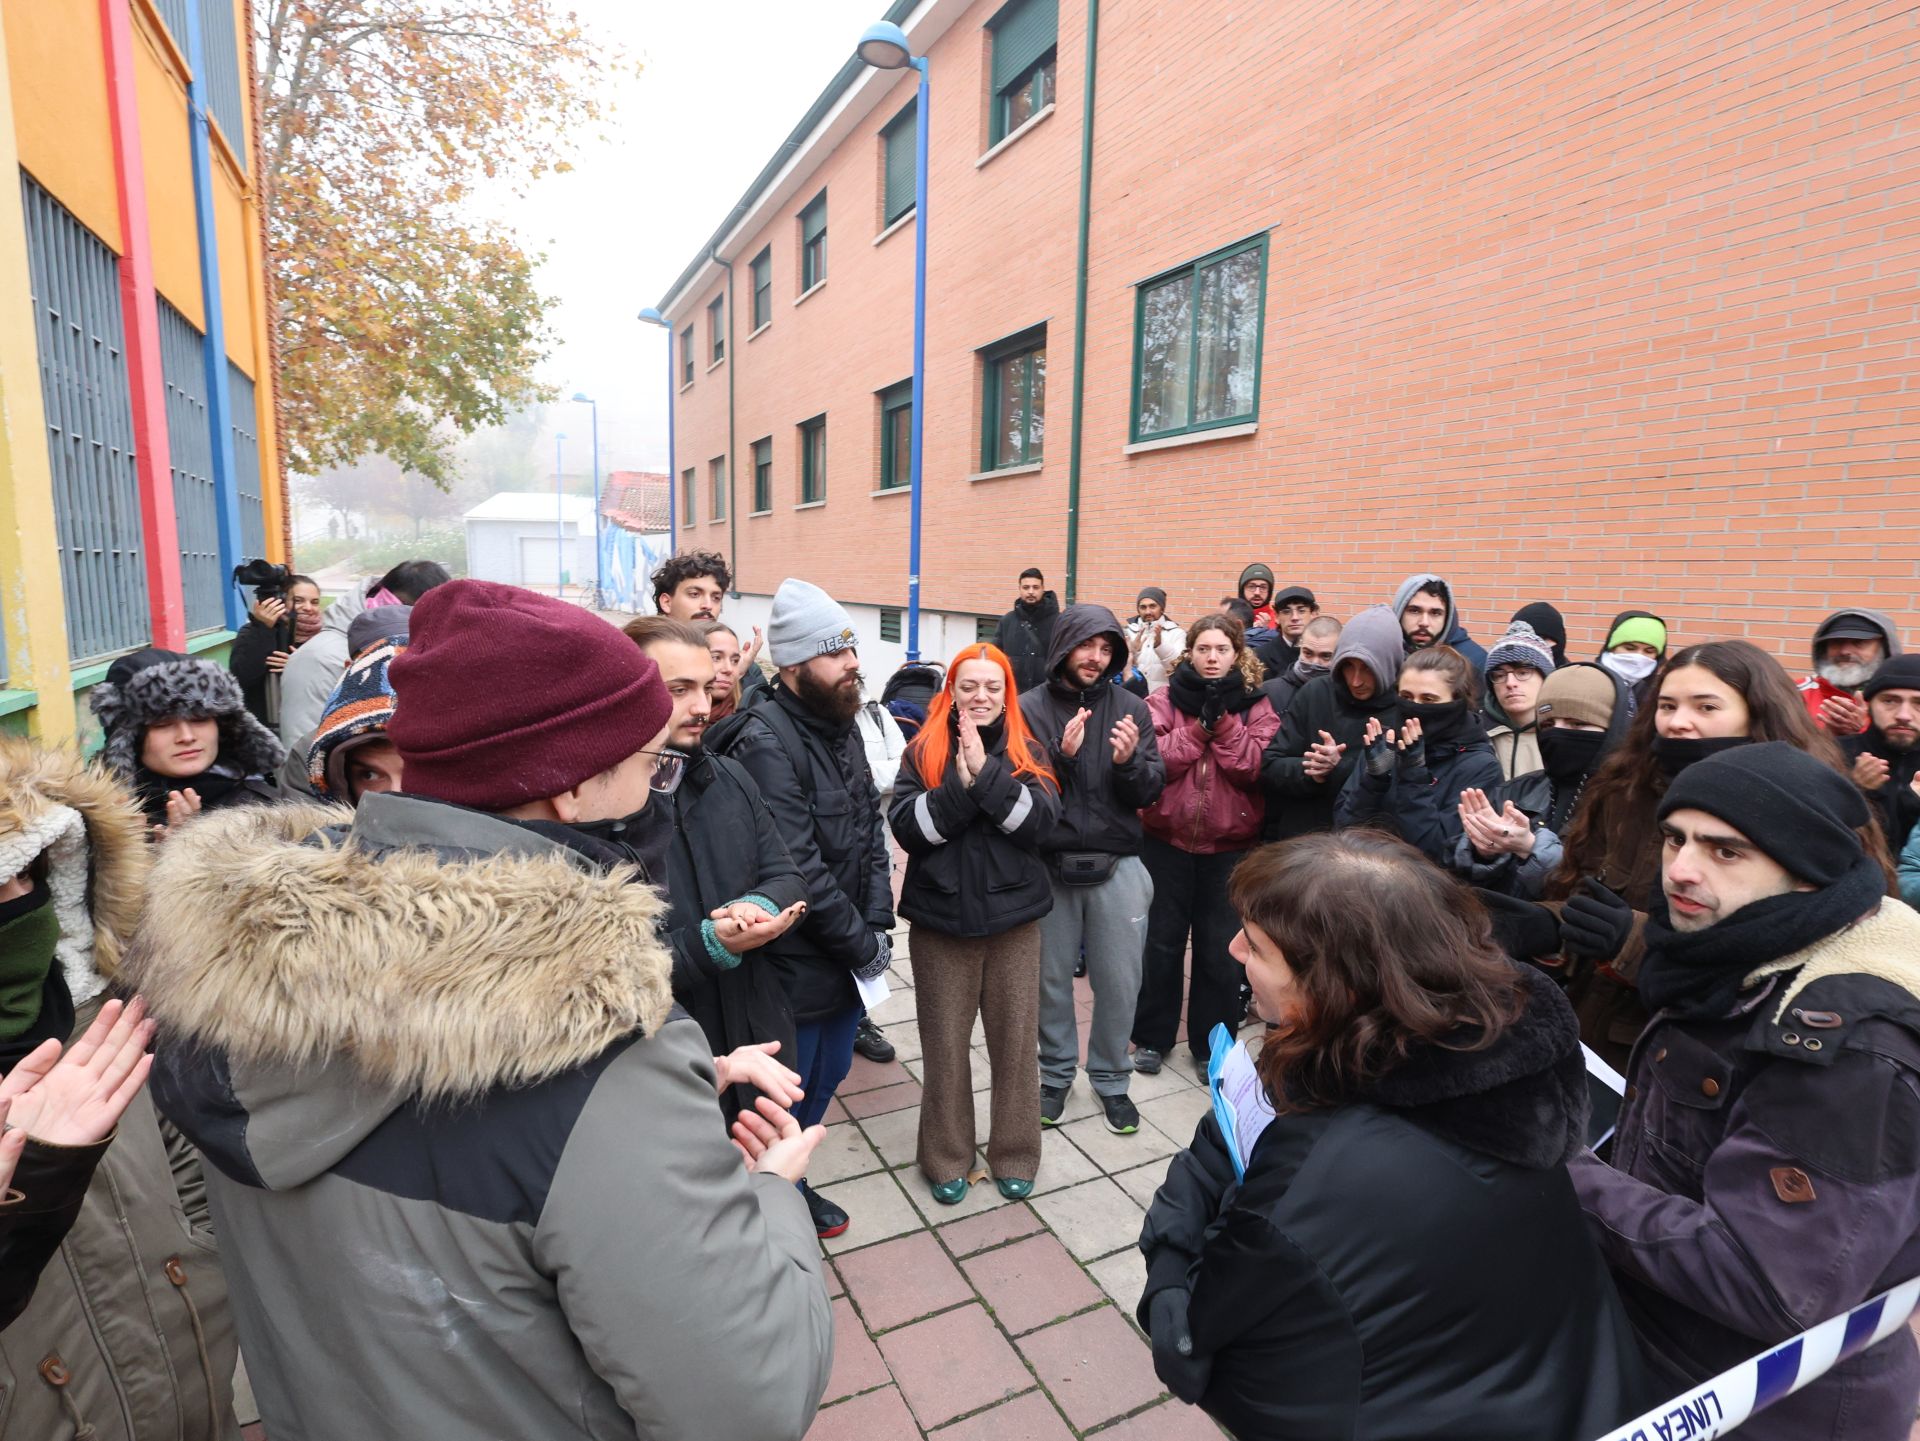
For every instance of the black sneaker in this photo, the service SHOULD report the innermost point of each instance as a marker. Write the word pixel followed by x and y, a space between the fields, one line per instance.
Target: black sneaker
pixel 1122 1118
pixel 1053 1101
pixel 1146 1060
pixel 869 1042
pixel 1080 967
pixel 828 1219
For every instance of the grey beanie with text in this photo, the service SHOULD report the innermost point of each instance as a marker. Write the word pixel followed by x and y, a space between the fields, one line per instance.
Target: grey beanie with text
pixel 807 622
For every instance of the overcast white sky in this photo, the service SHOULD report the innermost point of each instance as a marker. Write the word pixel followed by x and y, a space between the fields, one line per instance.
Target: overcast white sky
pixel 722 86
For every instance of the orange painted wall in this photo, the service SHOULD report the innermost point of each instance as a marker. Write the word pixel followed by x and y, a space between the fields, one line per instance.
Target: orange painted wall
pixel 59 89
pixel 163 142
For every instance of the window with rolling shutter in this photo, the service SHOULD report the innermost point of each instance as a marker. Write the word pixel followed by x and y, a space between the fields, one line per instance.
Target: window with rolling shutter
pixel 763 287
pixel 901 139
pixel 813 243
pixel 1025 34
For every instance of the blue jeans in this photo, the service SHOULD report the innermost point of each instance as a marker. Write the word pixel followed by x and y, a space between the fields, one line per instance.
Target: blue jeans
pixel 822 1055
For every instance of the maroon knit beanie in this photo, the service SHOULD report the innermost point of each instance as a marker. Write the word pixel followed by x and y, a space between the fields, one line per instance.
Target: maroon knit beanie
pixel 504 696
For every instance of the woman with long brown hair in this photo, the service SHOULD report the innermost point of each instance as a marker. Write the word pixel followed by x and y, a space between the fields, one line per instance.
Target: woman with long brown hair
pixel 1374 1233
pixel 973 798
pixel 1706 699
pixel 1212 722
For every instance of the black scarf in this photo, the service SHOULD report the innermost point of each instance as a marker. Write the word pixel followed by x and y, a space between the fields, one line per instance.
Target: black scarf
pixel 1674 755
pixel 1229 695
pixel 1570 756
pixel 211 785
pixel 641 838
pixel 1442 725
pixel 1698 974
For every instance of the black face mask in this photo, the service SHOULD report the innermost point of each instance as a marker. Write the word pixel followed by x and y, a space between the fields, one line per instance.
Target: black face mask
pixel 1567 755
pixel 1445 723
pixel 1674 755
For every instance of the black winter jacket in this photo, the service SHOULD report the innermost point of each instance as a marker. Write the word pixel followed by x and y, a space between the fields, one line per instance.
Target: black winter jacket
pixel 1895 803
pixel 247 660
pixel 1419 799
pixel 42 1201
pixel 973 862
pixel 1100 803
pixel 822 799
pixel 725 846
pixel 1025 633
pixel 1297 804
pixel 1410 1265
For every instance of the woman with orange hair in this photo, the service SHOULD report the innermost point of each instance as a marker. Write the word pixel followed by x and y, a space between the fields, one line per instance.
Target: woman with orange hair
pixel 973 799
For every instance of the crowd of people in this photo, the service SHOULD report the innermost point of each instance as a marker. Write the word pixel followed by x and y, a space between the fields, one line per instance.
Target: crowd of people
pixel 452 990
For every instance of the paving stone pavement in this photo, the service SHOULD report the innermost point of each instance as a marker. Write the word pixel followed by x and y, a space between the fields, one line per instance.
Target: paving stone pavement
pixel 990 1320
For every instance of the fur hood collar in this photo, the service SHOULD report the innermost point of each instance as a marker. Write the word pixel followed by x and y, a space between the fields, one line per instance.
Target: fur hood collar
pixel 1523 1099
pixel 74 817
pixel 428 950
pixel 1870 968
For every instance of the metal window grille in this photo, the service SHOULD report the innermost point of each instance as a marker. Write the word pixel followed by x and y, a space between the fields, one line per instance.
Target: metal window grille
pixel 190 454
pixel 986 627
pixel 83 378
pixel 890 625
pixel 246 464
pixel 221 54
pixel 174 12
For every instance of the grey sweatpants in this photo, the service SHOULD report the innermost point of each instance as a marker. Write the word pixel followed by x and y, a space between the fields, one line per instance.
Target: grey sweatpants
pixel 1111 919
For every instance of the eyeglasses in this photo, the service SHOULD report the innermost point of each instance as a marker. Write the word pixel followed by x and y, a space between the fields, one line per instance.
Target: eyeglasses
pixel 669 769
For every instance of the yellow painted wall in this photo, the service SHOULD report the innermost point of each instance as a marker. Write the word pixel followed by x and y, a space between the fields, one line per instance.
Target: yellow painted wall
pixel 56 67
pixel 232 216
pixel 169 165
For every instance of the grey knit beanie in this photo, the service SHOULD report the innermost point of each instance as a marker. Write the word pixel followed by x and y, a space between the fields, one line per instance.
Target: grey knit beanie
pixel 807 622
pixel 1522 645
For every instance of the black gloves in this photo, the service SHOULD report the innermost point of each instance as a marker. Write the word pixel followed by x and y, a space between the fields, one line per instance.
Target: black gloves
pixel 1174 1363
pixel 1594 923
pixel 1524 929
pixel 1380 756
pixel 1212 710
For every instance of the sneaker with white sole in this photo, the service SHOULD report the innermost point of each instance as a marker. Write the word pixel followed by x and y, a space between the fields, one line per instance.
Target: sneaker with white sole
pixel 1123 1119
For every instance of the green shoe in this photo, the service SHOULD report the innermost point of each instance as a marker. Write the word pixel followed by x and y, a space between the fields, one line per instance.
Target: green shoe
pixel 1013 1188
pixel 951 1193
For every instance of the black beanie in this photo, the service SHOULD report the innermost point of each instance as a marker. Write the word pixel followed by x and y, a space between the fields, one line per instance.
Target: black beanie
pixel 1799 810
pixel 1900 672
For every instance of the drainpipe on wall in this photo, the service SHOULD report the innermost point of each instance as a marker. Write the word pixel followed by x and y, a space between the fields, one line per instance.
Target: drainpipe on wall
pixel 1080 300
pixel 733 511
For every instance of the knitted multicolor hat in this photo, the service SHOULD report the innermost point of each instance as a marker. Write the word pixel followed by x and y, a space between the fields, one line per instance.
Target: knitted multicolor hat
pixel 357 712
pixel 1522 645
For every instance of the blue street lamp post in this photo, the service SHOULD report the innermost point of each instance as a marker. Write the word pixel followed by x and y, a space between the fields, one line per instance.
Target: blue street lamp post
pixel 599 581
pixel 884 46
pixel 559 520
pixel 653 317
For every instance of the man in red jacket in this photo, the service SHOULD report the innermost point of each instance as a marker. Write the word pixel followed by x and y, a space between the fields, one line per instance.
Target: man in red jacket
pixel 1847 649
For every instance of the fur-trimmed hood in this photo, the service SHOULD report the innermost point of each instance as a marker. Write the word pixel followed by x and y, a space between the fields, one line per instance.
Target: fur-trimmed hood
pixel 155 685
pixel 55 805
pixel 338 963
pixel 1870 968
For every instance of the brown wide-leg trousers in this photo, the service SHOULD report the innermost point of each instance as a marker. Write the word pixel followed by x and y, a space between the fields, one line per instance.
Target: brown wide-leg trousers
pixel 998 979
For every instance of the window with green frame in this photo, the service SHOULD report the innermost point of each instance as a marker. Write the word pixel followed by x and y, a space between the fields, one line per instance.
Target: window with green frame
pixel 813 243
pixel 813 460
pixel 717 488
pixel 986 627
pixel 896 435
pixel 689 498
pixel 899 142
pixel 686 356
pixel 890 625
pixel 763 474
pixel 763 287
pixel 1013 401
pixel 1196 343
pixel 716 330
pixel 1025 35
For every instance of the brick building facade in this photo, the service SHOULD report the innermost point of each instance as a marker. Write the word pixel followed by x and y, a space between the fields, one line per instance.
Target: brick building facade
pixel 1610 304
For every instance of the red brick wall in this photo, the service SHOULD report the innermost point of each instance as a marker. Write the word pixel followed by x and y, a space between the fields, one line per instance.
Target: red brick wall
pixel 1609 304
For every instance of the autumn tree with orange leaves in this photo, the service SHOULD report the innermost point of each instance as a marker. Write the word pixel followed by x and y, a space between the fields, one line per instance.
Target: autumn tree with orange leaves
pixel 405 317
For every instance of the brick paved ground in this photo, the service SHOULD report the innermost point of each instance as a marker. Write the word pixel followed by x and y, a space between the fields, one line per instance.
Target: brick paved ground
pixel 989 1320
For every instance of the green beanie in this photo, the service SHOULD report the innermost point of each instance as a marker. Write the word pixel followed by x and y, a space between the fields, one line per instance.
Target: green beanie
pixel 1642 628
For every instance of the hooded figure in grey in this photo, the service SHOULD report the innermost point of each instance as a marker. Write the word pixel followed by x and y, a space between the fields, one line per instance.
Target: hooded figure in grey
pixel 1453 630
pixel 1299 803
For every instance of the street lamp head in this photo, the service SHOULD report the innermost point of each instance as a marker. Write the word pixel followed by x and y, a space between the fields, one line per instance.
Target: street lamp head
pixel 653 317
pixel 582 398
pixel 884 47
pixel 560 435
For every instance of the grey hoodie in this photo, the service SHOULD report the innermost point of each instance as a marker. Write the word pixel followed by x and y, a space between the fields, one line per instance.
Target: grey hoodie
pixel 469 1170
pixel 1878 619
pixel 1412 586
pixel 316 667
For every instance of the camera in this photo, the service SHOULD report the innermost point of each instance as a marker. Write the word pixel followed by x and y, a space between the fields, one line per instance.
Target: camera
pixel 266 578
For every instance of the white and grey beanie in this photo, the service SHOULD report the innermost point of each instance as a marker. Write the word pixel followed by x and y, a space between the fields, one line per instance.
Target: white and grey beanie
pixel 807 622
pixel 154 685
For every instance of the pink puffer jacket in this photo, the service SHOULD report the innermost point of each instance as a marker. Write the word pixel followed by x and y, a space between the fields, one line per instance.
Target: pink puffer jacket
pixel 1213 800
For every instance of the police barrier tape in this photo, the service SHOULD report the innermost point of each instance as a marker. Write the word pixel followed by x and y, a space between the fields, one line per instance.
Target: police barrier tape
pixel 1715 1407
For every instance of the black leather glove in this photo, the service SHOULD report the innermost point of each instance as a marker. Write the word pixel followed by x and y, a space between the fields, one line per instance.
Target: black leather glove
pixel 1183 1373
pixel 1212 709
pixel 1594 923
pixel 1524 929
